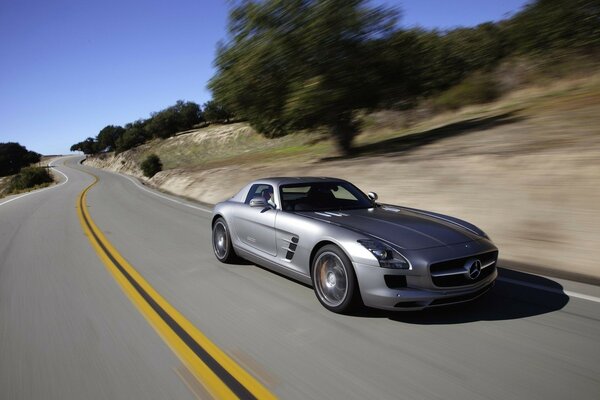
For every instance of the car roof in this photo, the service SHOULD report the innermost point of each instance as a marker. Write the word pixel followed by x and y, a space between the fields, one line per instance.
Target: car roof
pixel 287 180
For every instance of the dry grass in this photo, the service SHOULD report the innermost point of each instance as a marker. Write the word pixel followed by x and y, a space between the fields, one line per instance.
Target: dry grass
pixel 5 183
pixel 220 145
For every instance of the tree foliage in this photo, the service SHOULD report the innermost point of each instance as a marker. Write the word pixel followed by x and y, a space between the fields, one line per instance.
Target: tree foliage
pixel 13 157
pixel 134 135
pixel 182 116
pixel 88 146
pixel 300 64
pixel 556 24
pixel 108 136
pixel 216 112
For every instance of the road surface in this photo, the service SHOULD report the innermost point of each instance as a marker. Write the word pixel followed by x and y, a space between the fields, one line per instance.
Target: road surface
pixel 70 329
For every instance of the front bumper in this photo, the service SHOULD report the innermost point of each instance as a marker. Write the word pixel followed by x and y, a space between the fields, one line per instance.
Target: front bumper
pixel 376 294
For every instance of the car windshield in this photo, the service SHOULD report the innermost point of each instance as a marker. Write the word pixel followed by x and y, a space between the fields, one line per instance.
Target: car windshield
pixel 323 196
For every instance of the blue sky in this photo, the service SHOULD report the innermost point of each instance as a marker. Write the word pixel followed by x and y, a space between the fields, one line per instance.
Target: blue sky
pixel 70 67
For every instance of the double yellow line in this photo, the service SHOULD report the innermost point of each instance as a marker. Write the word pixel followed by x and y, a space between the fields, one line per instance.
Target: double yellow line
pixel 222 377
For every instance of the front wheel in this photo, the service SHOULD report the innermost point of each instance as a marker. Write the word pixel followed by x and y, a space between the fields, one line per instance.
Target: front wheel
pixel 334 280
pixel 221 242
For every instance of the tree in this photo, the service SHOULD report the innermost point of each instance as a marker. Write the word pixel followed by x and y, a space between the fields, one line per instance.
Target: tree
pixel 151 165
pixel 88 146
pixel 189 114
pixel 13 157
pixel 108 136
pixel 162 124
pixel 479 47
pixel 134 135
pixel 556 24
pixel 215 112
pixel 416 63
pixel 180 117
pixel 297 64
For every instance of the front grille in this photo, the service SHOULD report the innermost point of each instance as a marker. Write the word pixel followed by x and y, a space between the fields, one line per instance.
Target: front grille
pixel 451 273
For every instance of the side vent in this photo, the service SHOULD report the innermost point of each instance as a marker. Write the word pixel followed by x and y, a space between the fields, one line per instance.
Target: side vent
pixel 395 281
pixel 291 249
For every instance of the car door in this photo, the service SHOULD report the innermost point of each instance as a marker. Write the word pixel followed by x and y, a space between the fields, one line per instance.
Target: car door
pixel 256 225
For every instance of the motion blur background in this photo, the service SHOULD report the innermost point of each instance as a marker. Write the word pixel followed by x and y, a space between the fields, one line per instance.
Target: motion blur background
pixel 497 123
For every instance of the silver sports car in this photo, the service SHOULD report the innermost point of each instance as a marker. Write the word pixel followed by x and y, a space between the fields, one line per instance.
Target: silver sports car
pixel 327 233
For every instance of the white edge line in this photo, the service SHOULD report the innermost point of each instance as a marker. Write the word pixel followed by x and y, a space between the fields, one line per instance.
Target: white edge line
pixel 50 164
pixel 582 296
pixel 164 197
pixel 552 290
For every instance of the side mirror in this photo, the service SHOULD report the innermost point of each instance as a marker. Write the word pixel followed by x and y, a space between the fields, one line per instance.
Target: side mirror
pixel 258 202
pixel 373 196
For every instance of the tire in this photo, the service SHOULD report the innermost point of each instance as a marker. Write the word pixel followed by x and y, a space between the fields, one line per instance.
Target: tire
pixel 221 242
pixel 334 280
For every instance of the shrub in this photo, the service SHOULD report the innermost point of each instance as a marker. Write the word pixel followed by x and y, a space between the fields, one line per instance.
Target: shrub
pixel 29 177
pixel 151 165
pixel 473 90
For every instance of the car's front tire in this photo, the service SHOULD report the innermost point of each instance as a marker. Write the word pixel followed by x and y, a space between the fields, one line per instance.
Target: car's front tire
pixel 221 241
pixel 334 280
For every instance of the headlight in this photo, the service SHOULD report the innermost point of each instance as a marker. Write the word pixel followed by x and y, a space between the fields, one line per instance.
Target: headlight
pixel 387 257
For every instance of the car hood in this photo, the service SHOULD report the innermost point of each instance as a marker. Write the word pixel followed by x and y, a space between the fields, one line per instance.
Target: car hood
pixel 405 228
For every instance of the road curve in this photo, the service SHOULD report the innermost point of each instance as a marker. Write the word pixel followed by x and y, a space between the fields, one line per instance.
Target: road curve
pixel 68 330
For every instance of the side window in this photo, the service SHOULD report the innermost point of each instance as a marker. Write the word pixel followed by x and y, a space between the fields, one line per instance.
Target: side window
pixel 261 190
pixel 291 195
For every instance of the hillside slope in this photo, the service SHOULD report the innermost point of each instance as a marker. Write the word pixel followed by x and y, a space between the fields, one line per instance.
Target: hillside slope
pixel 526 169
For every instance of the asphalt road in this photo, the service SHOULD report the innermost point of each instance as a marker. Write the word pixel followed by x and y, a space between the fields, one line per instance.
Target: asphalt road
pixel 69 331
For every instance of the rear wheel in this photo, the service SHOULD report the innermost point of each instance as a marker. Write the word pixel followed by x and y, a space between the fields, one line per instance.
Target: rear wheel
pixel 334 280
pixel 221 241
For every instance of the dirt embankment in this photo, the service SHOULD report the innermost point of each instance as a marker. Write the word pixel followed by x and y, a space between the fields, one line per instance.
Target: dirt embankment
pixel 530 180
pixel 124 163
